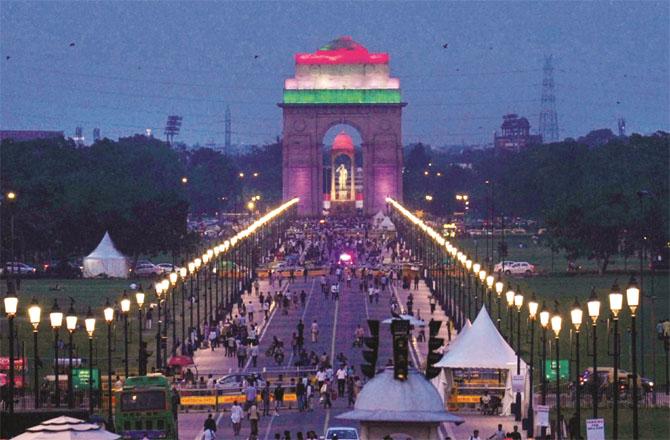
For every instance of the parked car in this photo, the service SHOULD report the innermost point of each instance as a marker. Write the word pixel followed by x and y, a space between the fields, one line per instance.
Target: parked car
pixel 342 433
pixel 64 269
pixel 235 382
pixel 147 270
pixel 516 268
pixel 18 268
pixel 167 267
pixel 605 378
pixel 498 267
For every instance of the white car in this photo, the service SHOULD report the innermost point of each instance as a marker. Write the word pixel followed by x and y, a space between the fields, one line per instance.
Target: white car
pixel 517 268
pixel 167 267
pixel 147 270
pixel 498 267
pixel 342 433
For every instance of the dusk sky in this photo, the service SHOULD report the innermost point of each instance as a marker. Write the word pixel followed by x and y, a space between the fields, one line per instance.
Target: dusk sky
pixel 133 63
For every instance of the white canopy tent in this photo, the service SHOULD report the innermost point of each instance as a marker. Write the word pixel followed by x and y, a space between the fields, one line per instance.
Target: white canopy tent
pixel 66 428
pixel 482 347
pixel 106 260
pixel 386 224
pixel 378 217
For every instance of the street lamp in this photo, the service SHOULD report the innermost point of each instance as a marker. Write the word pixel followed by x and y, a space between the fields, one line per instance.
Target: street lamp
pixel 159 292
pixel 174 277
pixel 518 303
pixel 35 314
pixel 125 309
pixel 11 304
pixel 468 266
pixel 139 298
pixel 109 318
pixel 509 297
pixel 489 284
pixel 56 318
pixel 533 306
pixel 633 300
pixel 576 315
pixel 594 311
pixel 183 272
pixel 545 317
pixel 556 322
pixel 482 281
pixel 71 326
pixel 499 290
pixel 616 304
pixel 89 322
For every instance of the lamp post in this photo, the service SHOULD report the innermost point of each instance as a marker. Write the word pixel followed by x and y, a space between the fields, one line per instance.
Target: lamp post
pixel 56 318
pixel 206 272
pixel 499 289
pixel 198 263
pixel 576 315
pixel 159 292
pixel 139 298
pixel 633 300
pixel 544 323
pixel 482 282
pixel 509 297
pixel 182 274
pixel 616 304
pixel 191 271
pixel 556 322
pixel 125 309
pixel 11 304
pixel 533 306
pixel 490 280
pixel 173 283
pixel 109 319
pixel 89 322
pixel 35 314
pixel 518 303
pixel 71 326
pixel 468 267
pixel 476 267
pixel 166 322
pixel 594 311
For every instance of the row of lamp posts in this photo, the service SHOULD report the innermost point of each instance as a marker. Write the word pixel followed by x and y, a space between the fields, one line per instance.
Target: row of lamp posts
pixel 463 268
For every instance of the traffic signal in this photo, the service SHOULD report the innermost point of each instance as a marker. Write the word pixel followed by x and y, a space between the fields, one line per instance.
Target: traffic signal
pixel 434 343
pixel 370 356
pixel 400 332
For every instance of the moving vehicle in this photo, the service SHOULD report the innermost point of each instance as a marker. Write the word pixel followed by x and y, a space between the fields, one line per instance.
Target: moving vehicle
pixel 63 269
pixel 605 378
pixel 235 381
pixel 167 267
pixel 146 406
pixel 342 433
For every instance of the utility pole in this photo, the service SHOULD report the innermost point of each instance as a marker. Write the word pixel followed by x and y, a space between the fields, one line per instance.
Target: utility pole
pixel 227 129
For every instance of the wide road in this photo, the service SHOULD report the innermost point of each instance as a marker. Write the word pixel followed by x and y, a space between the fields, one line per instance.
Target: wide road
pixel 337 322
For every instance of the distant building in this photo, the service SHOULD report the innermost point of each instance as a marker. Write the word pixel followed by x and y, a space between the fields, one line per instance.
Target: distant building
pixel 515 135
pixel 29 135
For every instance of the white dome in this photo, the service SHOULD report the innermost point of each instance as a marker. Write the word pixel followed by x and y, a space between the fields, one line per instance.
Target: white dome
pixel 386 399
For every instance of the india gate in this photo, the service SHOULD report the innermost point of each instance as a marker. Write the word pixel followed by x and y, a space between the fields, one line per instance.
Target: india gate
pixel 342 83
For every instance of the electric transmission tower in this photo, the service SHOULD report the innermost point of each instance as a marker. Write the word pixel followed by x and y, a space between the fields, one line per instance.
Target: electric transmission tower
pixel 227 128
pixel 172 127
pixel 548 117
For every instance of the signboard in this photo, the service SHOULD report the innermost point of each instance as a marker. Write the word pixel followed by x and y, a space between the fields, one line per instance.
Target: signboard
pixel 542 416
pixel 595 429
pixel 517 383
pixel 4 363
pixel 80 378
pixel 550 369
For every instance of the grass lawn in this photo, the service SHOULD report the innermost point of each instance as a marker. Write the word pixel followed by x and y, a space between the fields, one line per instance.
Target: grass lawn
pixel 654 423
pixel 558 284
pixel 85 292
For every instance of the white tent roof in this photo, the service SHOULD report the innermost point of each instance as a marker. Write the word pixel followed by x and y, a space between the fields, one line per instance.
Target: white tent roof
pixel 66 428
pixel 106 249
pixel 481 347
pixel 386 223
pixel 379 216
pixel 459 336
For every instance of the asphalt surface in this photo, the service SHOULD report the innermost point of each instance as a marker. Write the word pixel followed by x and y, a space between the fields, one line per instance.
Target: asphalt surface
pixel 337 322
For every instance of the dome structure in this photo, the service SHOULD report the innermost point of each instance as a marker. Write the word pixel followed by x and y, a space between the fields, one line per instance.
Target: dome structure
pixel 412 400
pixel 343 143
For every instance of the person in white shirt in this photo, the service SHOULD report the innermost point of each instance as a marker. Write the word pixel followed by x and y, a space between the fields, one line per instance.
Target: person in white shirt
pixel 250 311
pixel 236 417
pixel 341 375
pixel 475 435
pixel 315 331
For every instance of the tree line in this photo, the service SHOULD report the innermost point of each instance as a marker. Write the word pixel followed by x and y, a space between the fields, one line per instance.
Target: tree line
pixel 595 201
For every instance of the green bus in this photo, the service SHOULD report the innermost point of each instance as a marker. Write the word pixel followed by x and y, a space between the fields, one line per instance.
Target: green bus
pixel 146 406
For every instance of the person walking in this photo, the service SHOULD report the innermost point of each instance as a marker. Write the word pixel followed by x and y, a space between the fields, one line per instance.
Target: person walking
pixel 301 333
pixel 498 435
pixel 300 394
pixel 265 397
pixel 236 417
pixel 279 398
pixel 433 303
pixel 254 355
pixel 325 395
pixel 250 311
pixel 351 392
pixel 209 425
pixel 253 416
pixel 341 375
pixel 315 331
